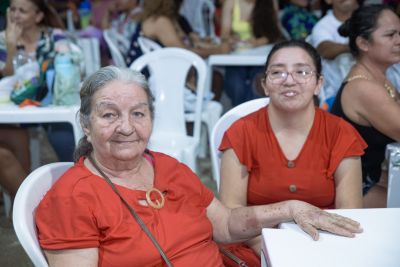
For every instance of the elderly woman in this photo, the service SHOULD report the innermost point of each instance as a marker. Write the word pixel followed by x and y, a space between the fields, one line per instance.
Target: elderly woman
pixel 367 99
pixel 85 218
pixel 290 149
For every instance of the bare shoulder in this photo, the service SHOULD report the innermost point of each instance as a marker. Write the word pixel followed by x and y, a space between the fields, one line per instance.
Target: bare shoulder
pixel 161 21
pixel 153 26
pixel 365 91
pixel 368 103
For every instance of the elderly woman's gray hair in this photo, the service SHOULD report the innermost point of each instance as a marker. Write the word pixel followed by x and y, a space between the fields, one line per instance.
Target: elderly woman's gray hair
pixel 97 81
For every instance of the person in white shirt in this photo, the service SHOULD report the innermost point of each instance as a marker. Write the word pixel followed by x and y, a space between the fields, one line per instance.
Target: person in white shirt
pixel 330 44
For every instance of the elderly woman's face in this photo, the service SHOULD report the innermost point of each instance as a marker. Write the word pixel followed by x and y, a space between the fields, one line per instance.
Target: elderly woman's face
pixel 120 122
pixel 291 79
pixel 24 13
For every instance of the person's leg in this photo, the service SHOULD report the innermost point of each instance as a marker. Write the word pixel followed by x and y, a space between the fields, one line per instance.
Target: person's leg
pixel 235 85
pixel 14 157
pixel 376 197
pixel 17 141
pixel 253 83
pixel 12 173
pixel 61 137
pixel 217 84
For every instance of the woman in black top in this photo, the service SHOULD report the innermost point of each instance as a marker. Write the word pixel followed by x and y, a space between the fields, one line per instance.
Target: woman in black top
pixel 366 98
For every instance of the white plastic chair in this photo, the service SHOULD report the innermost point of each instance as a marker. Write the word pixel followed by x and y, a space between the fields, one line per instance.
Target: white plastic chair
pixel 147 45
pixel 207 11
pixel 393 157
pixel 13 114
pixel 211 111
pixel 91 52
pixel 223 124
pixel 27 199
pixel 168 68
pixel 116 54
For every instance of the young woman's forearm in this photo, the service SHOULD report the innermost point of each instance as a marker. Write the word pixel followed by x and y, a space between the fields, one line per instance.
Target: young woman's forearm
pixel 8 68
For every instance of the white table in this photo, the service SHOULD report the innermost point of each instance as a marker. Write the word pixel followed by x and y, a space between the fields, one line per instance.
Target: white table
pixel 378 245
pixel 250 57
pixel 10 113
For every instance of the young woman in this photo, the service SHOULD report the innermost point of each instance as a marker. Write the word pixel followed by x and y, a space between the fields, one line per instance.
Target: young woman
pixel 290 149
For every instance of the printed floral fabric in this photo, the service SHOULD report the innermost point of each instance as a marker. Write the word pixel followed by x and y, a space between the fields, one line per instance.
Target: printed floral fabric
pixel 298 21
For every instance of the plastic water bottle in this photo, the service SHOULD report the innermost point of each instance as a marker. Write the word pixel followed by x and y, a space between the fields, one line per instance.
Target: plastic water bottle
pixel 67 81
pixel 20 58
pixel 85 13
pixel 48 99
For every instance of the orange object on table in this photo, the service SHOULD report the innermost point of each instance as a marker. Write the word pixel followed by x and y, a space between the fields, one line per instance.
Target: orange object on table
pixel 29 102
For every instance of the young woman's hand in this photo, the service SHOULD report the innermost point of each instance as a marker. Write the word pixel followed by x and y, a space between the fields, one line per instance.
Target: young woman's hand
pixel 13 30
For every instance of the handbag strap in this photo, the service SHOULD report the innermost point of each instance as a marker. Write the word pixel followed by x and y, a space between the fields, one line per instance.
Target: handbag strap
pixel 134 214
pixel 233 257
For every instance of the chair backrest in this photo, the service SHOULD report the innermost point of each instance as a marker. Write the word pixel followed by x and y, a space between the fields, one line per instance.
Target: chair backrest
pixel 207 11
pixel 91 53
pixel 27 199
pixel 224 123
pixel 168 69
pixel 147 45
pixel 116 54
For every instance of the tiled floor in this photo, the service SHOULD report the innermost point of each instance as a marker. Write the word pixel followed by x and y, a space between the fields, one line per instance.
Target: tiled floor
pixel 11 252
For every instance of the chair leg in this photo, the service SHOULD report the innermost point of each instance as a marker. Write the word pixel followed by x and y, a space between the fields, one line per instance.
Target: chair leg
pixel 34 145
pixel 203 140
pixel 7 204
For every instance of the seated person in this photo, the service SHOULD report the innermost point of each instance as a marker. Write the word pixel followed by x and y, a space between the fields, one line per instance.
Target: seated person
pixel 37 31
pixel 122 17
pixel 247 24
pixel 290 149
pixel 367 99
pixel 83 221
pixel 34 32
pixel 159 22
pixel 297 19
pixel 330 44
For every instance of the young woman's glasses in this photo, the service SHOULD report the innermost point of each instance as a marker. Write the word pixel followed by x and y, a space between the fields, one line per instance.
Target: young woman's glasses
pixel 279 76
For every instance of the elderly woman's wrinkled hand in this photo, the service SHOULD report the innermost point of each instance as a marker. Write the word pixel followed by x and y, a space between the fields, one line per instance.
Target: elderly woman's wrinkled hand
pixel 311 218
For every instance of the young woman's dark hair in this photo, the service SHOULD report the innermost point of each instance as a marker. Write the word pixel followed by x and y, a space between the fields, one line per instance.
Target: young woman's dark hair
pixel 264 21
pixel 158 8
pixel 50 15
pixel 316 58
pixel 362 23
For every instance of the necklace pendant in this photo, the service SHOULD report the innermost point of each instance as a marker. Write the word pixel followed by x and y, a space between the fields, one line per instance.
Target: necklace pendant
pixel 390 90
pixel 158 203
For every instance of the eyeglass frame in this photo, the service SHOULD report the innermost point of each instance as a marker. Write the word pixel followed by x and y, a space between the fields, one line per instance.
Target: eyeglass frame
pixel 291 74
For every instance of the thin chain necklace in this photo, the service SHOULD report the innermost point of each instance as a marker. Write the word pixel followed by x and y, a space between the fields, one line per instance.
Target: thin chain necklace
pixel 391 91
